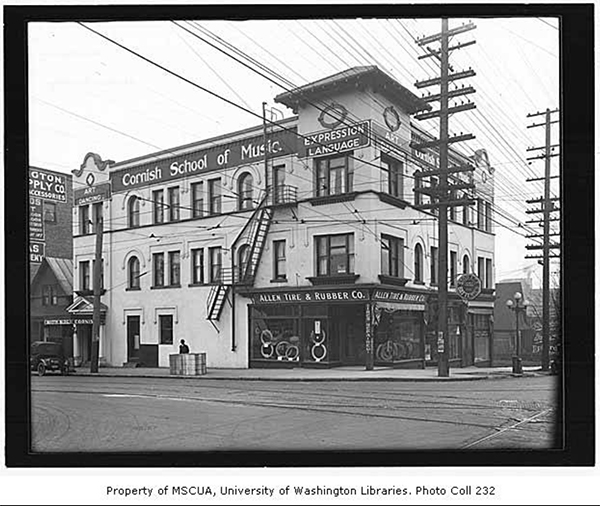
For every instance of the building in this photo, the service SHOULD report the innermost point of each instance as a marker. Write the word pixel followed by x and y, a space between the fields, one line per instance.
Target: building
pixel 51 239
pixel 296 243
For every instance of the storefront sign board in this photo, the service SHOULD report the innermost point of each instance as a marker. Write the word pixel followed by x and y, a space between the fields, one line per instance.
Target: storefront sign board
pixel 400 297
pixel 68 321
pixel 36 222
pixel 222 156
pixel 92 194
pixel 47 185
pixel 36 252
pixel 313 296
pixel 327 142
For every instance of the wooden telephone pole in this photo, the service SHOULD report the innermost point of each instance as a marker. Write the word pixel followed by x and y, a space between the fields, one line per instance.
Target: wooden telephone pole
pixel 548 206
pixel 441 195
pixel 97 291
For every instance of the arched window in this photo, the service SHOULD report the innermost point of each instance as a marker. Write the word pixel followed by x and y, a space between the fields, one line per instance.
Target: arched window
pixel 246 191
pixel 133 212
pixel 133 273
pixel 418 263
pixel 243 253
pixel 465 266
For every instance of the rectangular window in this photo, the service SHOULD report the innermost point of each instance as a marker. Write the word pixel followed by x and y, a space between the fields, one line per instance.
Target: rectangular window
pixel 480 220
pixel 197 200
pixel 488 273
pixel 488 217
pixel 84 275
pixel 215 259
pixel 174 268
pixel 393 173
pixel 198 266
pixel 84 220
pixel 97 212
pixel 173 203
pixel 481 269
pixel 158 269
pixel 49 295
pixel 453 266
pixel 166 328
pixel 392 256
pixel 278 184
pixel 279 260
pixel 434 265
pixel 334 176
pixel 158 206
pixel 335 254
pixel 49 212
pixel 214 196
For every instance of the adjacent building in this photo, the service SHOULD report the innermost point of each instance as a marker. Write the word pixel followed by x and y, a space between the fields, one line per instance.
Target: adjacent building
pixel 294 243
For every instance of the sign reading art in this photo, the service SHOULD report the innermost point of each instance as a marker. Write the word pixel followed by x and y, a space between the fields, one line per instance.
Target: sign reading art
pixel 222 156
pixel 468 286
pixel 318 296
pixel 36 222
pixel 47 185
pixel 334 141
pixel 97 193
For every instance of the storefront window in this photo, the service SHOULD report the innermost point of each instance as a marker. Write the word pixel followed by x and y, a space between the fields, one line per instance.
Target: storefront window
pixel 397 336
pixel 275 334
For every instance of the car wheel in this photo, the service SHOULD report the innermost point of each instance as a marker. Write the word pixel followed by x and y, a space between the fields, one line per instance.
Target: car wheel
pixel 41 369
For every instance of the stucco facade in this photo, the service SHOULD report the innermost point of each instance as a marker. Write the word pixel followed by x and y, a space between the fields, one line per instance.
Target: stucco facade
pixel 320 235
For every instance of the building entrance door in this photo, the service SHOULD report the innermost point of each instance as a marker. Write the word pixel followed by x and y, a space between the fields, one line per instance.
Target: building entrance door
pixel 133 338
pixel 349 327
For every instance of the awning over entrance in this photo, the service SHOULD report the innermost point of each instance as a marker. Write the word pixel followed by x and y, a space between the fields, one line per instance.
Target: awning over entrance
pixel 82 310
pixel 481 307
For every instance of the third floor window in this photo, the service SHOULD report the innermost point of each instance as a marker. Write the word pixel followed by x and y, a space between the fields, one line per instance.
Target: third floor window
pixel 334 176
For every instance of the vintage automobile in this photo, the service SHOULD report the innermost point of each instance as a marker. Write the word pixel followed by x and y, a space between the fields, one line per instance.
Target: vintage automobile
pixel 48 356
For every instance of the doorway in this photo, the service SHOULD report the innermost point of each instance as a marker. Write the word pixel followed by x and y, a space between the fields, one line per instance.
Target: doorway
pixel 133 338
pixel 348 326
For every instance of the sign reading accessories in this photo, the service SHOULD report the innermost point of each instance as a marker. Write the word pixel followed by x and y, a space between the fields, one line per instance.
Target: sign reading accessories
pixel 222 156
pixel 47 185
pixel 334 141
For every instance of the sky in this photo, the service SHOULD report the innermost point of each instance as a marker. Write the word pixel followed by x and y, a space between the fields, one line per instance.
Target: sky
pixel 87 94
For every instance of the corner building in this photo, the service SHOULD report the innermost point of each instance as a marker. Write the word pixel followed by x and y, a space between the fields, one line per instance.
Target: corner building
pixel 294 244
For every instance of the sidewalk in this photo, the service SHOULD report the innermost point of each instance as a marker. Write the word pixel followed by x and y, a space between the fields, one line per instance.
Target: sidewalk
pixel 357 373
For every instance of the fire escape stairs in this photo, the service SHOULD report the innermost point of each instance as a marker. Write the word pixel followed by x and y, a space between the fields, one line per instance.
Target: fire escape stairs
pixel 254 233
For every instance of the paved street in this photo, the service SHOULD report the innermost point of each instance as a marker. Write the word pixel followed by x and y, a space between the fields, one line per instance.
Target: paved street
pixel 135 414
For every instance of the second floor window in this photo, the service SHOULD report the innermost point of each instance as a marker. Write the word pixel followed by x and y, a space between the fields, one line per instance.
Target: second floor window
pixel 246 191
pixel 278 183
pixel 158 269
pixel 84 275
pixel 243 253
pixel 418 264
pixel 279 259
pixel 418 184
pixel 334 176
pixel 335 254
pixel 198 266
pixel 197 200
pixel 174 268
pixel 481 269
pixel 174 203
pixel 84 220
pixel 453 265
pixel 49 295
pixel 393 170
pixel 49 212
pixel 214 258
pixel 158 206
pixel 133 212
pixel 392 253
pixel 488 273
pixel 214 196
pixel 465 265
pixel 133 273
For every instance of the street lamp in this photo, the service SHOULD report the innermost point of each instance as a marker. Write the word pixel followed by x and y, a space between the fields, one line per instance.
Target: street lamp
pixel 518 306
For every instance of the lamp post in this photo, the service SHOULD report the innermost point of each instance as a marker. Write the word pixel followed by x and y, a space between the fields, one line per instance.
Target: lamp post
pixel 518 306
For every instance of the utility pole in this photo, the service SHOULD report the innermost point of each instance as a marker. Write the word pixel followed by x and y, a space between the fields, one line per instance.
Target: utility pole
pixel 441 195
pixel 548 206
pixel 97 290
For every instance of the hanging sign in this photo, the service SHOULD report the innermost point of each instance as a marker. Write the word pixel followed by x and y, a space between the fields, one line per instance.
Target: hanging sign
pixel 468 286
pixel 341 139
pixel 97 193
pixel 47 185
pixel 36 252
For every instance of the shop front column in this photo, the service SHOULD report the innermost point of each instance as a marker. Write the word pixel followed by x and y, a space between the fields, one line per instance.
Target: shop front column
pixel 76 347
pixel 368 337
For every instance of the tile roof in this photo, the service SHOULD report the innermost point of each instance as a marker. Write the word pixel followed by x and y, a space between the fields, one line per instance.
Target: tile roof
pixel 63 271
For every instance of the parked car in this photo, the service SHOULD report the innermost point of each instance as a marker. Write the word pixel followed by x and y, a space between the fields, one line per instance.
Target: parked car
pixel 48 356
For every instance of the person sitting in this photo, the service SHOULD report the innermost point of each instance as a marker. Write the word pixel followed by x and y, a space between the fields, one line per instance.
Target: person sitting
pixel 183 348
